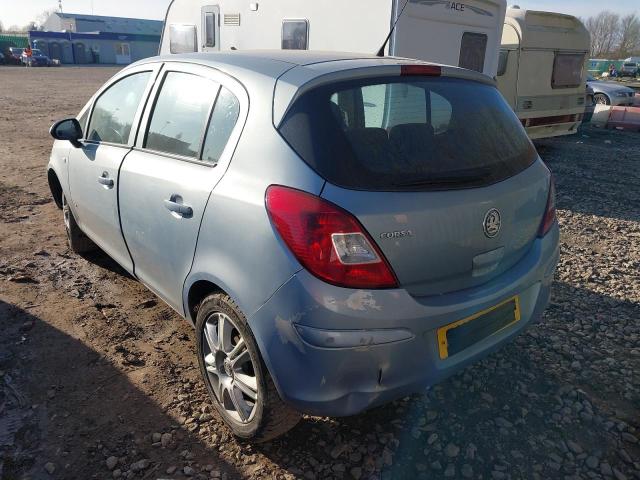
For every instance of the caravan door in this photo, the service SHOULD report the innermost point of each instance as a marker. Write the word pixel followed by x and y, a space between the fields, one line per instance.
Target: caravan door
pixel 210 37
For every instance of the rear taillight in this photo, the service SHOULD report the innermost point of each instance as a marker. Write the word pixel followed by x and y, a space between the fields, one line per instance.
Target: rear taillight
pixel 327 240
pixel 550 211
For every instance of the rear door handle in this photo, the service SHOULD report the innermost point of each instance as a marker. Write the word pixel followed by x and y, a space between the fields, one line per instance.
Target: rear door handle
pixel 174 205
pixel 105 180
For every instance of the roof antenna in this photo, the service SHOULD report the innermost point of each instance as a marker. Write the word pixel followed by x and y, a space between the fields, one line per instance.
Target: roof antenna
pixel 393 27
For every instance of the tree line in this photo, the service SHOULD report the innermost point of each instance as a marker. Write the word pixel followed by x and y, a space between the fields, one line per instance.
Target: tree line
pixel 613 35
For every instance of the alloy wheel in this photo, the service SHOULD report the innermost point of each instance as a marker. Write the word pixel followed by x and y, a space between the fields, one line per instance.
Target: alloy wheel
pixel 230 369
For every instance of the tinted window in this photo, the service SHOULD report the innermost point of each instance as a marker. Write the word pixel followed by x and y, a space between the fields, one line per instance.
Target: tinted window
pixel 472 51
pixel 224 118
pixel 115 110
pixel 209 29
pixel 180 114
pixel 567 70
pixel 503 59
pixel 295 34
pixel 182 38
pixel 388 134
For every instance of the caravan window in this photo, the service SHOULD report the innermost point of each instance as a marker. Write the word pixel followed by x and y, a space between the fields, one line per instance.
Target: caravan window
pixel 567 70
pixel 503 59
pixel 209 29
pixel 295 34
pixel 472 51
pixel 182 38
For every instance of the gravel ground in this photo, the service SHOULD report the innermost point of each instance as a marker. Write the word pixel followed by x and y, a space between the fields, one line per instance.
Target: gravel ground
pixel 98 379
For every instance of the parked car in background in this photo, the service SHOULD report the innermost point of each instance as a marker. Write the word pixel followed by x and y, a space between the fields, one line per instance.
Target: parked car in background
pixel 15 55
pixel 610 93
pixel 628 69
pixel 589 105
pixel 37 59
pixel 372 226
pixel 2 61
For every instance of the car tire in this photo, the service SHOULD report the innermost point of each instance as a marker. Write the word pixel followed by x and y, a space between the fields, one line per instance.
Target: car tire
pixel 601 99
pixel 78 241
pixel 231 365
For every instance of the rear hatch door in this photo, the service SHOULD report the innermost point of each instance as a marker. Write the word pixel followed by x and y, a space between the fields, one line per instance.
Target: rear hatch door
pixel 438 170
pixel 437 242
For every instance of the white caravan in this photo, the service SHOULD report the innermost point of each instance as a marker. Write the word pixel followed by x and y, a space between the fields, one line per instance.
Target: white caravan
pixel 453 33
pixel 541 70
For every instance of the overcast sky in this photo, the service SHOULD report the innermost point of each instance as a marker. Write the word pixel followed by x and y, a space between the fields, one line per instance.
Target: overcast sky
pixel 20 12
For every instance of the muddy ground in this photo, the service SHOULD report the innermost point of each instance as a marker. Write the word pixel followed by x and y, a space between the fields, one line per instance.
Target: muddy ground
pixel 98 379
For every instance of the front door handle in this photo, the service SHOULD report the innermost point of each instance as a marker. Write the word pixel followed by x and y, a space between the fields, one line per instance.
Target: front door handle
pixel 175 205
pixel 105 180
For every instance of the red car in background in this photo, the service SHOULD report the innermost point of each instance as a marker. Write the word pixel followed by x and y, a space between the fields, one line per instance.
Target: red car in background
pixel 14 55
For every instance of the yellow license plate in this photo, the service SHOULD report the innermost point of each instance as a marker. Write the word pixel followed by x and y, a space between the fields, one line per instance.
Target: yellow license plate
pixel 458 336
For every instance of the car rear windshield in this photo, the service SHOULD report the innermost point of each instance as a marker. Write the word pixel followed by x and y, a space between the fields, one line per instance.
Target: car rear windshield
pixel 416 133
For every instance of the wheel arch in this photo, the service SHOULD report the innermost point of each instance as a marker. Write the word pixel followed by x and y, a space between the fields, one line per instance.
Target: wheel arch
pixel 603 94
pixel 200 285
pixel 55 186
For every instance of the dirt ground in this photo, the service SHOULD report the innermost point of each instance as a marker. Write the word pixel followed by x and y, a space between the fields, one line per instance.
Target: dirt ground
pixel 98 379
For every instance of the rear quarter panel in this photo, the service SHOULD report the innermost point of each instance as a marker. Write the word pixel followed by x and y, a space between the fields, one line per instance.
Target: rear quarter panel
pixel 238 249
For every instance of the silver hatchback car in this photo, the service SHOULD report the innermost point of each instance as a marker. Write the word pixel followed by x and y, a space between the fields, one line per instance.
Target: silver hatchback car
pixel 341 231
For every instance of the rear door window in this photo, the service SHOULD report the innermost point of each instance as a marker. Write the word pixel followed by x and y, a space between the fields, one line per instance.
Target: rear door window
pixel 115 110
pixel 473 49
pixel 180 114
pixel 223 120
pixel 395 133
pixel 567 70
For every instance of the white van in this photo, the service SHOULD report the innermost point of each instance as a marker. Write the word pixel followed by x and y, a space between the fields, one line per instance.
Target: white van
pixel 541 70
pixel 464 34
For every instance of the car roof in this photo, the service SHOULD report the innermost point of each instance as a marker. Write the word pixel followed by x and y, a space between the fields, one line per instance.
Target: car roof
pixel 274 63
pixel 249 58
pixel 291 71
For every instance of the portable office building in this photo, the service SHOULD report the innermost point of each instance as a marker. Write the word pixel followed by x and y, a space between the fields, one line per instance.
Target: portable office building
pixel 541 70
pixel 464 34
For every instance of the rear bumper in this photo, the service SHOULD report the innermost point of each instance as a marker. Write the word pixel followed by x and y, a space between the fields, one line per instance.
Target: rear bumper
pixel 397 352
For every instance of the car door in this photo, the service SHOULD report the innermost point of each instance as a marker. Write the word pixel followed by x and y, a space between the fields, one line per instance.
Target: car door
pixel 94 166
pixel 187 137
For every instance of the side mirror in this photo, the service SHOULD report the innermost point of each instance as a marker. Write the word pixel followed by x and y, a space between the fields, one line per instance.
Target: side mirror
pixel 68 129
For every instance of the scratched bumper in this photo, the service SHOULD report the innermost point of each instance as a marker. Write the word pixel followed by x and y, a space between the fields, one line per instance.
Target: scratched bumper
pixel 397 353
